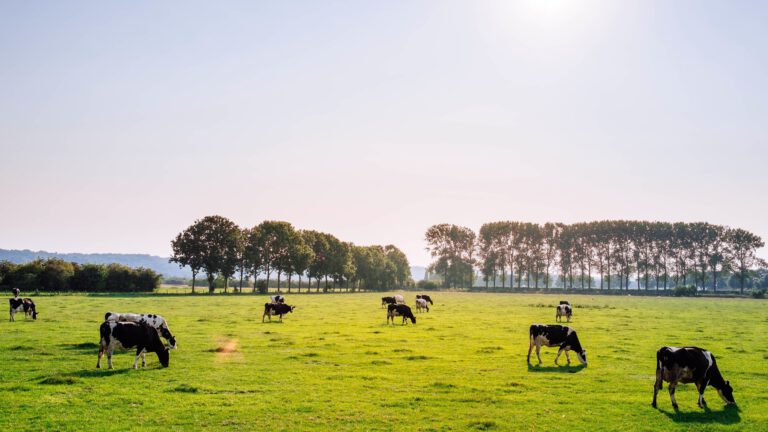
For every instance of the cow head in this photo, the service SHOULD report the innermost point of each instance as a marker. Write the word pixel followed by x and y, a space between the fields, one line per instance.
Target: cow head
pixel 168 336
pixel 413 319
pixel 34 314
pixel 163 356
pixel 582 356
pixel 727 393
pixel 291 308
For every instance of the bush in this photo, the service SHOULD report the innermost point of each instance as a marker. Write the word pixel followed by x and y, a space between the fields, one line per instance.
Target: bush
pixel 426 285
pixel 685 291
pixel 758 293
pixel 261 286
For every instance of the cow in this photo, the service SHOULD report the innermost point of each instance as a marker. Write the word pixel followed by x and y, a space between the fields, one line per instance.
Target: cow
pixel 562 302
pixel 402 310
pixel 125 335
pixel 689 365
pixel 155 321
pixel 280 309
pixel 277 299
pixel 555 336
pixel 425 297
pixel 25 305
pixel 15 292
pixel 421 305
pixel 387 301
pixel 399 299
pixel 563 310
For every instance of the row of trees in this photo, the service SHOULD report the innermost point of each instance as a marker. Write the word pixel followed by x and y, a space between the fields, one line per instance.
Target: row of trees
pixel 57 275
pixel 217 247
pixel 656 254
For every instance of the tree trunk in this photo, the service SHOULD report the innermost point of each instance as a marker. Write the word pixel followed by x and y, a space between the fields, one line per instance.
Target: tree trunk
pixel 210 283
pixel 226 282
pixel 194 276
pixel 290 275
pixel 279 273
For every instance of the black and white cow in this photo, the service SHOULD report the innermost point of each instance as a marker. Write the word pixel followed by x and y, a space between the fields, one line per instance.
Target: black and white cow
pixel 555 336
pixel 400 310
pixel 564 302
pixel 25 305
pixel 155 321
pixel 421 305
pixel 689 365
pixel 563 310
pixel 387 301
pixel 399 299
pixel 271 309
pixel 277 299
pixel 125 335
pixel 15 292
pixel 425 297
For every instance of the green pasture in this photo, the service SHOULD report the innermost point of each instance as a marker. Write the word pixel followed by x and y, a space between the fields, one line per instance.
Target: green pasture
pixel 335 365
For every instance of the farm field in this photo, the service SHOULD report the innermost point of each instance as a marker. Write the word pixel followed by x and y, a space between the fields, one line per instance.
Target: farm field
pixel 334 364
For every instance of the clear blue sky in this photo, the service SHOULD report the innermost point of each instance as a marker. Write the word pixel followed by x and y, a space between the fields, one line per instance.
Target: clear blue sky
pixel 123 122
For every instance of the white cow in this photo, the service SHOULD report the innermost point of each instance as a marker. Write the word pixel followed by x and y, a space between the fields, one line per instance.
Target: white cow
pixel 399 299
pixel 421 305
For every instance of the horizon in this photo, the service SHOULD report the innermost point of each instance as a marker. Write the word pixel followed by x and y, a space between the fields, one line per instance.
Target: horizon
pixel 123 124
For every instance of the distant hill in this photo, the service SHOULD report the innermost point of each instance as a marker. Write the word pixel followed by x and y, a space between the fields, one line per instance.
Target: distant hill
pixel 156 263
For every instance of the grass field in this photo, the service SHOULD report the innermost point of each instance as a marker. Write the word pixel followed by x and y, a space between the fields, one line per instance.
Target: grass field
pixel 335 365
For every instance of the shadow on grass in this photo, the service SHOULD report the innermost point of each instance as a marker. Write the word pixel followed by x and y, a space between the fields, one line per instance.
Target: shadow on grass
pixel 100 373
pixel 728 415
pixel 86 346
pixel 556 369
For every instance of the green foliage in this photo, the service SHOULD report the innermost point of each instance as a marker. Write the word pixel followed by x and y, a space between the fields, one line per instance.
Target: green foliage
pixel 759 293
pixel 425 285
pixel 685 291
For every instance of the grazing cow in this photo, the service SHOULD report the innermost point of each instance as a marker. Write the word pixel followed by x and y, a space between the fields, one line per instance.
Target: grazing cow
pixel 399 299
pixel 564 302
pixel 563 310
pixel 280 309
pixel 277 299
pixel 15 292
pixel 155 321
pixel 555 336
pixel 689 365
pixel 387 301
pixel 425 297
pixel 25 305
pixel 125 335
pixel 421 305
pixel 402 310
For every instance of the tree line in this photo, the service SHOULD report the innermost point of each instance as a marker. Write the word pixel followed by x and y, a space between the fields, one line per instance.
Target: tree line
pixel 57 275
pixel 655 254
pixel 216 247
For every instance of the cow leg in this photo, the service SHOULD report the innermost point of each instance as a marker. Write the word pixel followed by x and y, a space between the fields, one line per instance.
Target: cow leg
pixel 109 358
pixel 657 386
pixel 144 358
pixel 530 347
pixel 139 350
pixel 672 387
pixel 538 354
pixel 701 386
pixel 567 357
pixel 281 317
pixel 560 351
pixel 101 354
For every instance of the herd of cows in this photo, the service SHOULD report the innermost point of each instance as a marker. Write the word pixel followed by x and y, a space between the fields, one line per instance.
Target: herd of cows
pixel 144 332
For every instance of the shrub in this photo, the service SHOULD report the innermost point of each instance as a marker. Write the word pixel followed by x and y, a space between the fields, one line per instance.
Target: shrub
pixel 758 293
pixel 685 291
pixel 426 285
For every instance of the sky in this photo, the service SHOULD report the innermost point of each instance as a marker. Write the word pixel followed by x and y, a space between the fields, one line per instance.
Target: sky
pixel 121 123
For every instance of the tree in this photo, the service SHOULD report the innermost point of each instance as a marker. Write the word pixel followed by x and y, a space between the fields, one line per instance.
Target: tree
pixel 210 244
pixel 186 250
pixel 401 269
pixel 453 246
pixel 56 274
pixel 741 251
pixel 275 238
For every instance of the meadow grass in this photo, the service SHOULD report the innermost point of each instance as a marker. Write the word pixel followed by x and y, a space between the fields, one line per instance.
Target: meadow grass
pixel 334 364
